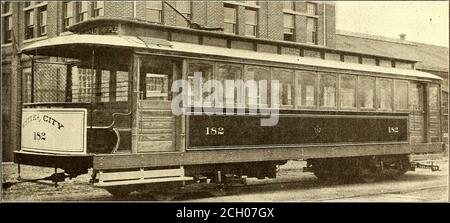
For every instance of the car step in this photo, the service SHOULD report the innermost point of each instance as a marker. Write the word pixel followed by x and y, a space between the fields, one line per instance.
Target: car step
pixel 140 176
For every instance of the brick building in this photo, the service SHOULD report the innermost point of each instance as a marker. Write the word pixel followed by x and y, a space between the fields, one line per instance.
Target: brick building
pixel 300 28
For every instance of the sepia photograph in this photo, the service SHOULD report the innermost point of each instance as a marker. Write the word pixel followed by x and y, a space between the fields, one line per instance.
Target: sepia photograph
pixel 225 101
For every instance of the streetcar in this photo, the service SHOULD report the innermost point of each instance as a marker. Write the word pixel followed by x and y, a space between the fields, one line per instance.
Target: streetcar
pixel 102 98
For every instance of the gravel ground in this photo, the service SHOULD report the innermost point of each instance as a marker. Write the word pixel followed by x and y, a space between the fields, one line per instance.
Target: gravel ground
pixel 78 189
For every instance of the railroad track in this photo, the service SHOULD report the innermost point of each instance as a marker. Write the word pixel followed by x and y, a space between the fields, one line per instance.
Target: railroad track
pixel 383 192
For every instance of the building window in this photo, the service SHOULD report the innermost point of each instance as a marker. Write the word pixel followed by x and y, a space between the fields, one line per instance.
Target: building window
pixel 230 19
pixel 6 7
pixel 311 30
pixel 286 86
pixel 82 11
pixel 42 21
pixel 288 5
pixel 185 8
pixel 154 11
pixel 306 88
pixel 366 92
pixel 251 22
pixel 6 22
pixel 401 95
pixel 311 8
pixel 348 92
pixel 27 4
pixel 327 90
pixel 7 29
pixel 98 8
pixel 68 14
pixel 29 24
pixel 289 27
pixel 384 94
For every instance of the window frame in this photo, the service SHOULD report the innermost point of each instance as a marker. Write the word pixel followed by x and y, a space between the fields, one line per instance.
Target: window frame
pixel 312 32
pixel 374 93
pixel 315 8
pixel 272 73
pixel 215 74
pixel 378 102
pixel 80 14
pixel 68 20
pixel 340 100
pixel 290 28
pixel 191 94
pixel 159 11
pixel 234 24
pixel 188 13
pixel 336 92
pixel 291 6
pixel 438 105
pixel 7 29
pixel 268 69
pixel 42 21
pixel 298 74
pixel 29 24
pixel 98 10
pixel 253 25
pixel 395 94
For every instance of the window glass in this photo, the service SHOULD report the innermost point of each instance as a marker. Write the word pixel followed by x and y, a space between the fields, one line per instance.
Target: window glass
pixel 29 17
pixel 257 74
pixel 206 72
pixel 121 86
pixel 251 22
pixel 104 86
pixel 7 29
pixel 27 75
pixel 43 21
pixel 83 82
pixel 311 8
pixel 229 72
pixel 327 90
pixel 98 7
pixel 184 7
pixel 68 14
pixel 384 94
pixel 433 99
pixel 311 30
pixel 415 97
pixel 306 88
pixel 289 5
pixel 348 91
pixel 401 95
pixel 154 9
pixel 366 87
pixel 288 22
pixel 229 20
pixel 6 7
pixel 286 85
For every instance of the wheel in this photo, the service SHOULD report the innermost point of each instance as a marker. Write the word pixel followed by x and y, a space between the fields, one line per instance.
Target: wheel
pixel 367 175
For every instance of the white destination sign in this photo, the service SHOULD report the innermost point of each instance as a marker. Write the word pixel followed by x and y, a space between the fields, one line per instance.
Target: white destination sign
pixel 61 131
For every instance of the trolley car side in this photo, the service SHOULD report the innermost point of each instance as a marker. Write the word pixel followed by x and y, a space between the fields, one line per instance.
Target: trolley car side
pixel 344 119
